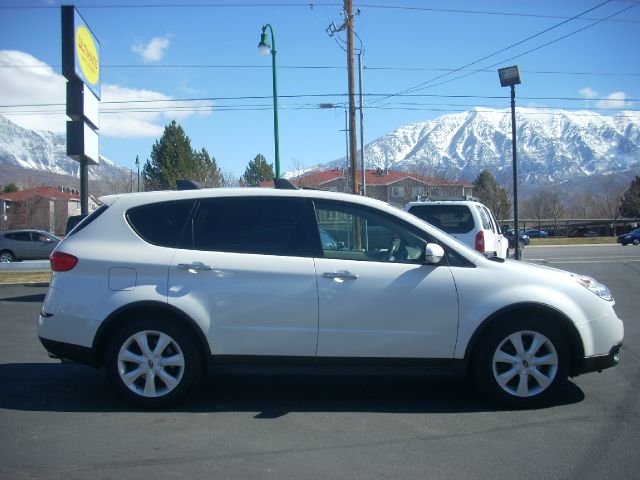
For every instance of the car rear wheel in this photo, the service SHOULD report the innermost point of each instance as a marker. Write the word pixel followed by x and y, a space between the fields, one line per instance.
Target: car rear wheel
pixel 6 256
pixel 522 362
pixel 636 241
pixel 153 363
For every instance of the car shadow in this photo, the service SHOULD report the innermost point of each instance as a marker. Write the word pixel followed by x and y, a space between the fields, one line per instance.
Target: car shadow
pixel 37 298
pixel 75 388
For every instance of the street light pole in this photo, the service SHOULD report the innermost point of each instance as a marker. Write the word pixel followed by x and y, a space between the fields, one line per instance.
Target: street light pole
pixel 138 167
pixel 264 47
pixel 510 77
pixel 514 150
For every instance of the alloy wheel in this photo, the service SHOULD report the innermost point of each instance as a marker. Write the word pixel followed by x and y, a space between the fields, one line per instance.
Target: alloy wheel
pixel 525 364
pixel 151 363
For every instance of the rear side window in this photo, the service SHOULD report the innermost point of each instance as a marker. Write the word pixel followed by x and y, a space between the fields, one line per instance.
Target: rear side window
pixel 160 223
pixel 20 236
pixel 449 218
pixel 76 223
pixel 484 218
pixel 262 225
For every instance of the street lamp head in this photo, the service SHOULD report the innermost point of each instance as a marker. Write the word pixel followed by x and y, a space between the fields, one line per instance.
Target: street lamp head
pixel 263 47
pixel 509 76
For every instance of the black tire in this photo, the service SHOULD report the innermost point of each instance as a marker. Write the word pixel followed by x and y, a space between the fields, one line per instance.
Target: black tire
pixel 525 375
pixel 153 363
pixel 7 256
pixel 636 241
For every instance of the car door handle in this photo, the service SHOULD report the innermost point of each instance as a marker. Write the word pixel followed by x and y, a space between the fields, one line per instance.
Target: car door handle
pixel 199 266
pixel 340 276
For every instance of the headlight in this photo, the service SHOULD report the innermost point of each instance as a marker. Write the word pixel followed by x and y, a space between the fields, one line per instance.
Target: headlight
pixel 594 286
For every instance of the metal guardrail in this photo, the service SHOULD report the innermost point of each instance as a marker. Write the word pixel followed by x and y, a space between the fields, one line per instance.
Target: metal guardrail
pixel 26 266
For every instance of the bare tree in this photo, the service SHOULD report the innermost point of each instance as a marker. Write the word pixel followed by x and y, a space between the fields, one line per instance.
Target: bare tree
pixel 537 207
pixel 608 198
pixel 556 204
pixel 580 205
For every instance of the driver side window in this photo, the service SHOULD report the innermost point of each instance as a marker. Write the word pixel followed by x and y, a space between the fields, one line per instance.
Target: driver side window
pixel 352 232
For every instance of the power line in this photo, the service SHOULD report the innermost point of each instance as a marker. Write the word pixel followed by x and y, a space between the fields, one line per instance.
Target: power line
pixel 546 30
pixel 313 5
pixel 319 95
pixel 338 67
pixel 521 54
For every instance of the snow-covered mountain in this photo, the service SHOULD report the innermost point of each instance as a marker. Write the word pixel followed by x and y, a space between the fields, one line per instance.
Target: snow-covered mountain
pixel 552 145
pixel 46 152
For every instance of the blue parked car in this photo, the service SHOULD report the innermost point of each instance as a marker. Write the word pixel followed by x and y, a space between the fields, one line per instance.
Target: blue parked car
pixel 632 237
pixel 523 238
pixel 536 233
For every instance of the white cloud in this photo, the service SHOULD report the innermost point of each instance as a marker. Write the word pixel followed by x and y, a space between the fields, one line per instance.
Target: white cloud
pixel 589 92
pixel 25 80
pixel 614 100
pixel 154 50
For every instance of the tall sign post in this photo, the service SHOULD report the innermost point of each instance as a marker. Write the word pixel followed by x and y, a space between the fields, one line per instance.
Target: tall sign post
pixel 81 67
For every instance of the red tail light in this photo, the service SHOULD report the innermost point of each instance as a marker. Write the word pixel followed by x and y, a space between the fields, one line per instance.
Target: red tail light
pixel 480 241
pixel 62 262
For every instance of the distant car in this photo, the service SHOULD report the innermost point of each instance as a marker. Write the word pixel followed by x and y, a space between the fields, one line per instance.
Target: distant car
pixel 590 233
pixel 632 237
pixel 26 245
pixel 465 219
pixel 523 238
pixel 536 233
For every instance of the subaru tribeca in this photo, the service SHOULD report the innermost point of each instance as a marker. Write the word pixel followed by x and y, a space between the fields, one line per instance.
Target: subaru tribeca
pixel 161 288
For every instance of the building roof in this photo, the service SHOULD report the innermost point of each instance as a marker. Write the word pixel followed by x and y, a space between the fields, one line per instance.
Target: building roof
pixel 372 177
pixel 47 192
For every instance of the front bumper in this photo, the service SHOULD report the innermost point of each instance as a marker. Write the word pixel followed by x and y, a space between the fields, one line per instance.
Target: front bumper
pixel 600 362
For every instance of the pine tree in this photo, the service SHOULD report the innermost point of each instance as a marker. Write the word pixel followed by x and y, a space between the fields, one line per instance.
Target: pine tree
pixel 630 203
pixel 258 171
pixel 10 188
pixel 210 174
pixel 494 196
pixel 172 158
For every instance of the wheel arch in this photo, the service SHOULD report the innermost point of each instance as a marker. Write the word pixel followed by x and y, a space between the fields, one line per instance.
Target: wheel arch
pixel 120 316
pixel 566 326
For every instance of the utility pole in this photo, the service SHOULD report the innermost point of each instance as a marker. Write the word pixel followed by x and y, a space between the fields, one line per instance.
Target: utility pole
pixel 362 165
pixel 353 142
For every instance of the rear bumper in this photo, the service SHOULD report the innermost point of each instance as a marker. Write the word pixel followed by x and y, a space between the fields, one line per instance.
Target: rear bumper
pixel 69 352
pixel 600 362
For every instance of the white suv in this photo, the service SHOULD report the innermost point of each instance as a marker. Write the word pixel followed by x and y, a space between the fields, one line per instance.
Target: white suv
pixel 465 219
pixel 163 287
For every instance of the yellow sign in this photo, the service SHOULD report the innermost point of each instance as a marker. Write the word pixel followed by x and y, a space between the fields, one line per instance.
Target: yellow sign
pixel 87 55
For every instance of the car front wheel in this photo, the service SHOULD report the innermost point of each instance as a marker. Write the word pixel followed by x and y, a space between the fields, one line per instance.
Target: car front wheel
pixel 153 363
pixel 522 363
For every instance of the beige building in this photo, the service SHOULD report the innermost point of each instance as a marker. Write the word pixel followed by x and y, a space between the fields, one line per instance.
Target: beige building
pixel 43 208
pixel 391 186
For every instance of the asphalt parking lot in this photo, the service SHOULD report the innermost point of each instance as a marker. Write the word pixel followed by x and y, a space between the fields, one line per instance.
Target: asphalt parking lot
pixel 63 421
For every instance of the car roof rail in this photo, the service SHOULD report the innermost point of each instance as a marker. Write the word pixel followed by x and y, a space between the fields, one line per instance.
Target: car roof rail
pixel 435 198
pixel 284 184
pixel 188 185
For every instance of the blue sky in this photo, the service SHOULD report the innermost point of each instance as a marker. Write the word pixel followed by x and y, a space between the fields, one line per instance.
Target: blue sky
pixel 207 56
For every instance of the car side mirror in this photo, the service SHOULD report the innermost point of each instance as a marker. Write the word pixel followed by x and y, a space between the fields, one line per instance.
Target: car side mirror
pixel 433 253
